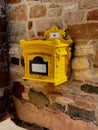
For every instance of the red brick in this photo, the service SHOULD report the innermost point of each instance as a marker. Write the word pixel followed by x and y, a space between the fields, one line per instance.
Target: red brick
pixel 13 1
pixel 83 31
pixel 92 15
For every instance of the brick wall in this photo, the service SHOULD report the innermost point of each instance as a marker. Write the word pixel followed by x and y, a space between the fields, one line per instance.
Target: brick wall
pixel 77 98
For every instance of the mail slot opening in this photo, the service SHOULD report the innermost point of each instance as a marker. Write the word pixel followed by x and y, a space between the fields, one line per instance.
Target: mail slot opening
pixel 38 66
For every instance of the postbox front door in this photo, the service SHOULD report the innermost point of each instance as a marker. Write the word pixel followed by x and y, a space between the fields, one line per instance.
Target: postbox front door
pixel 39 63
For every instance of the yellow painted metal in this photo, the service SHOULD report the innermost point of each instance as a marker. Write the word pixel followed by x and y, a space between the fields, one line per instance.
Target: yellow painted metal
pixel 47 60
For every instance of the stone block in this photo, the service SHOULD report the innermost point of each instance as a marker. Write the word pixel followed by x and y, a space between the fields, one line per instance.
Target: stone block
pixel 25 96
pixel 89 88
pixel 86 104
pixel 56 12
pixel 37 11
pixel 43 24
pixel 59 107
pixel 83 41
pixel 54 5
pixel 16 31
pixel 38 98
pixel 73 15
pixel 86 74
pixel 17 13
pixel 16 70
pixel 31 34
pixel 88 4
pixel 80 63
pixel 64 101
pixel 84 50
pixel 83 114
pixel 15 51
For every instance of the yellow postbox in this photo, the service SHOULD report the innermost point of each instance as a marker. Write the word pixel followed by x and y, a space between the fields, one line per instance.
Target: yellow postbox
pixel 47 60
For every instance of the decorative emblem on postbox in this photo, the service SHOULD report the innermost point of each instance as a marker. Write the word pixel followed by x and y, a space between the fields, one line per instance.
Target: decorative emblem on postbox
pixel 47 60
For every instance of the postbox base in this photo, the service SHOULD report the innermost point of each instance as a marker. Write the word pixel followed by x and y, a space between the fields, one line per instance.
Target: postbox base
pixel 56 82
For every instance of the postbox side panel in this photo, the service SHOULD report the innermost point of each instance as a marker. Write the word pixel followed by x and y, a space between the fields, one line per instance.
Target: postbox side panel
pixel 60 66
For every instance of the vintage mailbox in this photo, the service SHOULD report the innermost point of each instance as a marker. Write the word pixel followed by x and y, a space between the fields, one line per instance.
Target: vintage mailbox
pixel 47 60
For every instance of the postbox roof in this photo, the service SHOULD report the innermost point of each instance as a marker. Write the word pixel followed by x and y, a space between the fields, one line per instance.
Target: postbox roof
pixel 53 44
